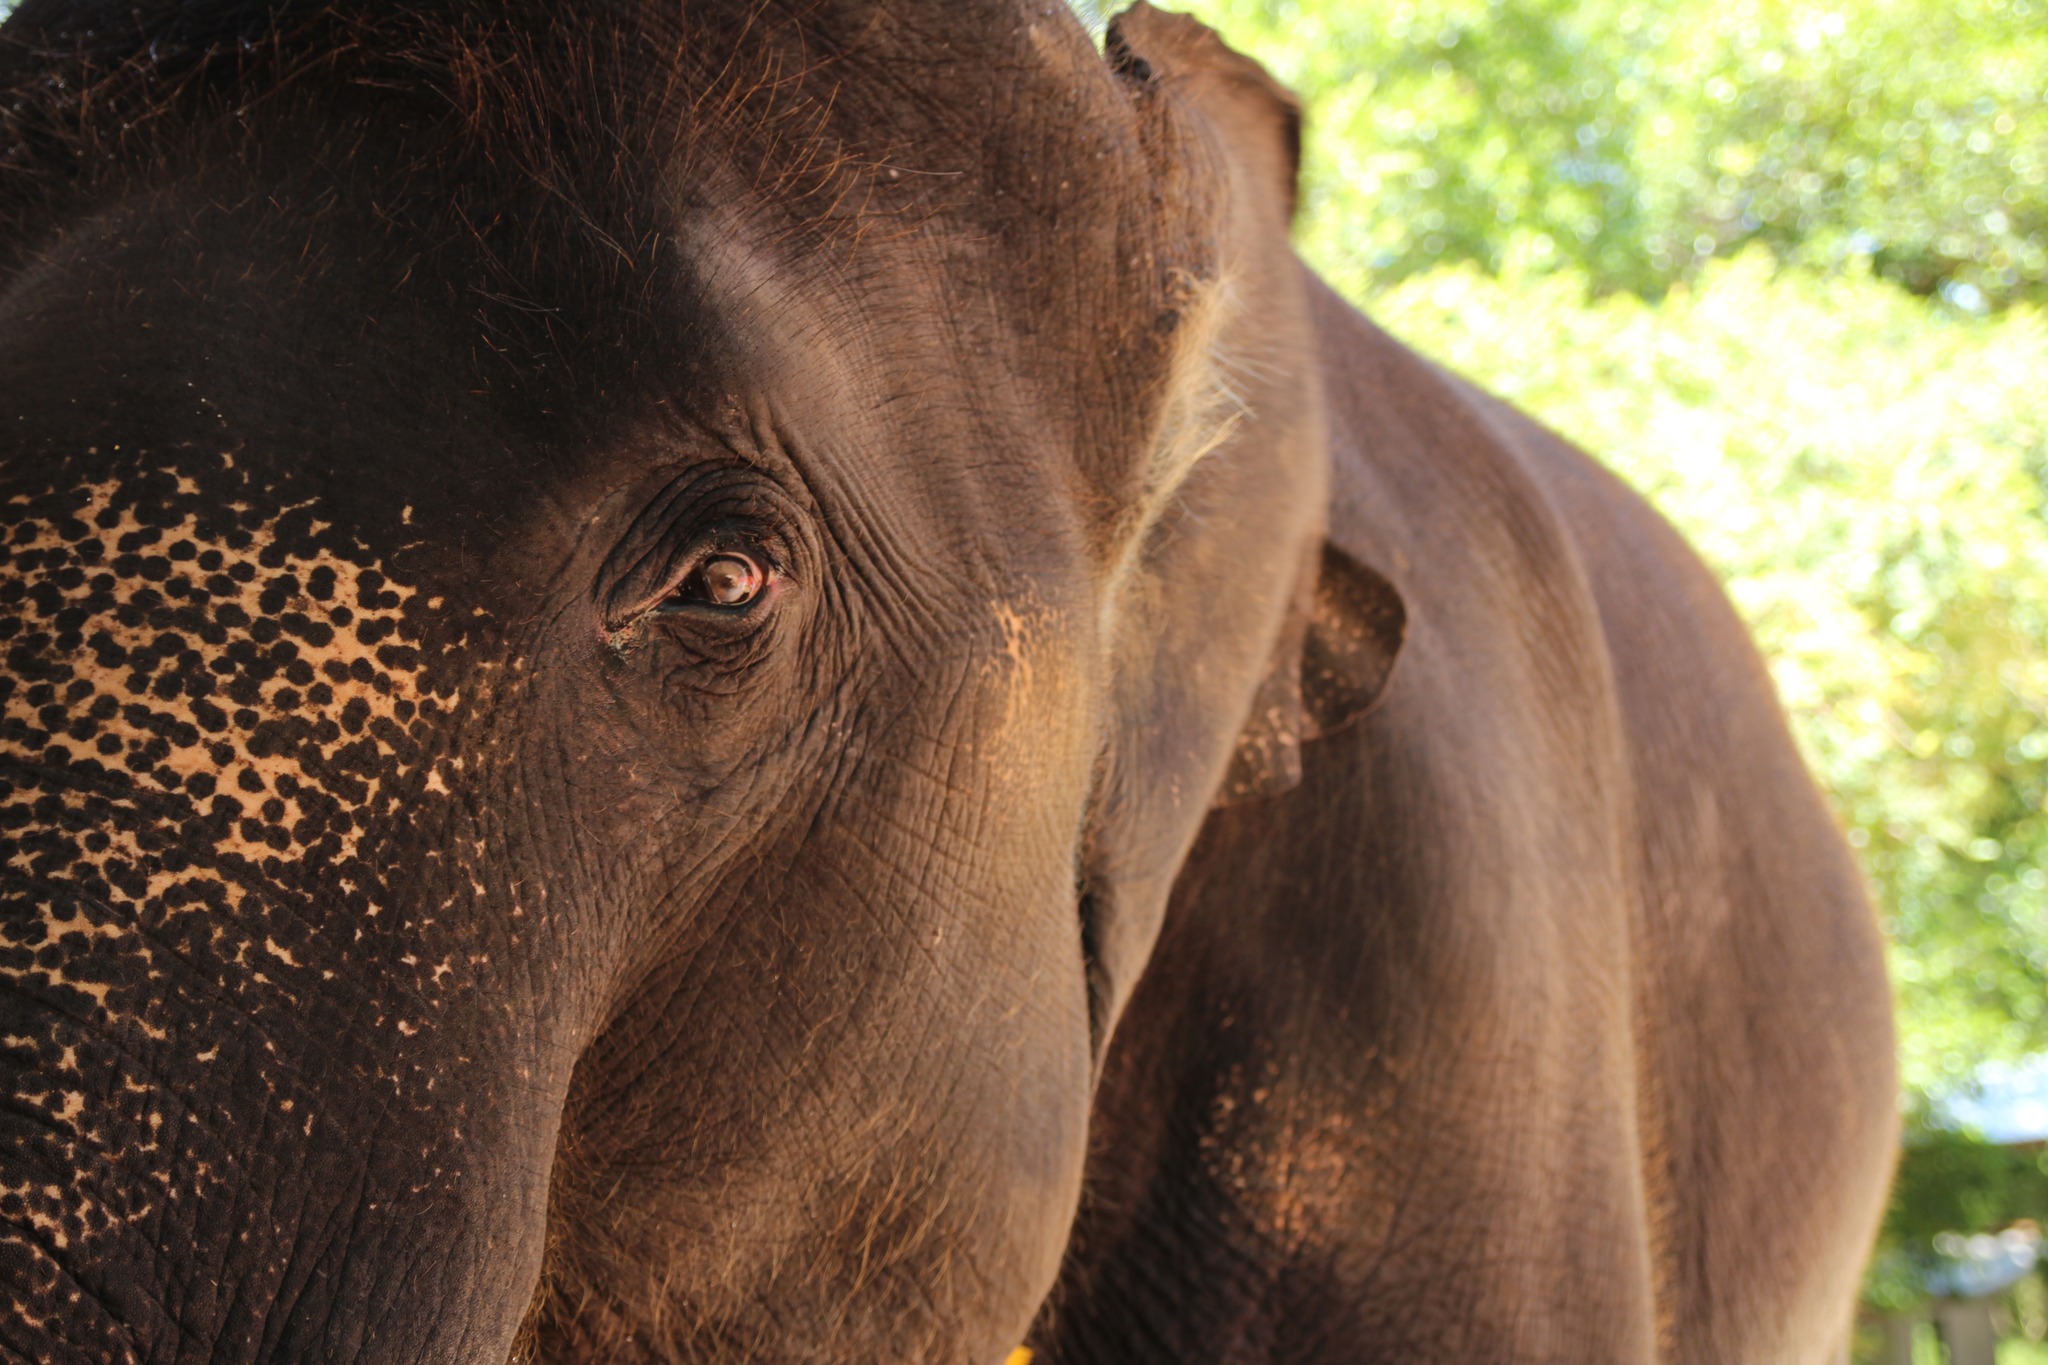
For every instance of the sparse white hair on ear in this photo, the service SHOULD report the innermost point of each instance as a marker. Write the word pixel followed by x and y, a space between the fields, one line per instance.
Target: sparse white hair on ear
pixel 1200 411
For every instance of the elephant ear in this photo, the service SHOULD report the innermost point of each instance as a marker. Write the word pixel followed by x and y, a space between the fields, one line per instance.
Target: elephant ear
pixel 1259 118
pixel 1331 665
pixel 1337 647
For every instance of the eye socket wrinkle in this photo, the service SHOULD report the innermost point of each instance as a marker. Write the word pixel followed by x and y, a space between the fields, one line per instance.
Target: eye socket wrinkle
pixel 711 514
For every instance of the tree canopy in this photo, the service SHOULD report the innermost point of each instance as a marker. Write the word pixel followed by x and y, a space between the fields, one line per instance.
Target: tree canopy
pixel 1636 143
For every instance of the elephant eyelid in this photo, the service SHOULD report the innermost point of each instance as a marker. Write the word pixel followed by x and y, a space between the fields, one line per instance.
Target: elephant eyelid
pixel 659 583
pixel 703 514
pixel 679 598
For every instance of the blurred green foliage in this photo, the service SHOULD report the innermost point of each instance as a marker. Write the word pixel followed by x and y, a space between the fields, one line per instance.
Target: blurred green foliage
pixel 1635 143
pixel 1867 475
pixel 1952 1182
pixel 1780 262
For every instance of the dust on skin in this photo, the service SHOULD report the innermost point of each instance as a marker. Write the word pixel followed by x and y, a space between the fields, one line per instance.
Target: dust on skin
pixel 1286 1153
pixel 181 664
pixel 1034 677
pixel 1016 630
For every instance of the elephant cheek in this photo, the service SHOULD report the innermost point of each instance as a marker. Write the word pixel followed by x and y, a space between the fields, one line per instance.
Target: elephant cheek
pixel 1122 921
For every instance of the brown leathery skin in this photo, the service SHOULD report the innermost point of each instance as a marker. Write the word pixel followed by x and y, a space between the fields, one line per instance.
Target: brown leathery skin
pixel 497 316
pixel 229 750
pixel 435 929
pixel 1545 1020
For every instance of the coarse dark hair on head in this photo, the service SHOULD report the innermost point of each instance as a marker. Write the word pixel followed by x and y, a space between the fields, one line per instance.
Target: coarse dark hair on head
pixel 545 117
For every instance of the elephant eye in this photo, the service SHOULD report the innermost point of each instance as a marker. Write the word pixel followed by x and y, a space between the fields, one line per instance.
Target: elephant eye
pixel 728 579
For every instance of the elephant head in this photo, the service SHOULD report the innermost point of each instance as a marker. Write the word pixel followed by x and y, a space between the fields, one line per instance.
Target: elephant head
pixel 617 618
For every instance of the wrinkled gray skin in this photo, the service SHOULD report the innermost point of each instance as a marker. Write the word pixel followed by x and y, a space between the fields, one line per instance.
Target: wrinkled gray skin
pixel 438 926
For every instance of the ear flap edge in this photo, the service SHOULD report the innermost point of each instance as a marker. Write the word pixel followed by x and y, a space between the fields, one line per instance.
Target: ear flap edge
pixel 1233 90
pixel 1353 643
pixel 1332 664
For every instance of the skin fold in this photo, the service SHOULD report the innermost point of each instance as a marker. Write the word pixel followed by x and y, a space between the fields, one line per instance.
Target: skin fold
pixel 764 682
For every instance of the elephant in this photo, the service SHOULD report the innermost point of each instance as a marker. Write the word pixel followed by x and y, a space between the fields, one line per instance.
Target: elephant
pixel 707 681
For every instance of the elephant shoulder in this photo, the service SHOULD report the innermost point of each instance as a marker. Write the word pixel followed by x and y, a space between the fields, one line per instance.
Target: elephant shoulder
pixel 1450 494
pixel 1489 520
pixel 1754 925
pixel 1755 967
